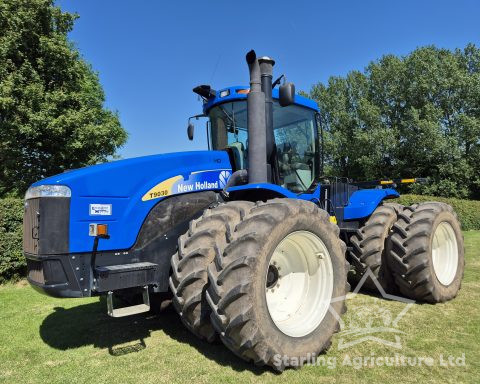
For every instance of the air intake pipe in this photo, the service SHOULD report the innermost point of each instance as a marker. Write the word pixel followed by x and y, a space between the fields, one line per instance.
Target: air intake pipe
pixel 257 133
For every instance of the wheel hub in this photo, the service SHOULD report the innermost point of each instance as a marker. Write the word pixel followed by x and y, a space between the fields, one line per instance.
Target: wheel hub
pixel 272 276
pixel 445 253
pixel 299 283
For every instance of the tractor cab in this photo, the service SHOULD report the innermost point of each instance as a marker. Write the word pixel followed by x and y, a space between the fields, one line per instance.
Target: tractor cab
pixel 295 131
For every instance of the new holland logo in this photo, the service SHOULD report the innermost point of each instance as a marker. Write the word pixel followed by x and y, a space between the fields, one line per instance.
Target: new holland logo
pixel 223 178
pixel 211 179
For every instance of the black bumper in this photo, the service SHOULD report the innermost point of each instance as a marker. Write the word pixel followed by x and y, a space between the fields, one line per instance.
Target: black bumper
pixel 60 275
pixel 72 275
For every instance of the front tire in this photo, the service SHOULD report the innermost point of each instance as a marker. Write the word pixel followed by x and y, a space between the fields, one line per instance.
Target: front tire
pixel 206 236
pixel 259 293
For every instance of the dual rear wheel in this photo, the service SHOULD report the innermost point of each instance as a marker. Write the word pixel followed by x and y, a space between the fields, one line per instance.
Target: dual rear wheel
pixel 427 253
pixel 416 251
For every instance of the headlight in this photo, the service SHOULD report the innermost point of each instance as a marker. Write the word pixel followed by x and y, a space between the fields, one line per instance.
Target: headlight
pixel 48 191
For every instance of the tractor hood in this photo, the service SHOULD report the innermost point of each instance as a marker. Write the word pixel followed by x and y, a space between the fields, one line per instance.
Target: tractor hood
pixel 125 178
pixel 125 191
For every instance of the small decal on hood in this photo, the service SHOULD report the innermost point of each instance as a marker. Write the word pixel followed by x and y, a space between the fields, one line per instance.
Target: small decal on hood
pixel 197 181
pixel 100 209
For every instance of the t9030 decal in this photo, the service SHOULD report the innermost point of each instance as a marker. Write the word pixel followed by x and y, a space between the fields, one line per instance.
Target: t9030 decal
pixel 197 181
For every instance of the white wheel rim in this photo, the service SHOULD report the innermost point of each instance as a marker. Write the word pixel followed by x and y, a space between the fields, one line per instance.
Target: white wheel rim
pixel 300 298
pixel 445 253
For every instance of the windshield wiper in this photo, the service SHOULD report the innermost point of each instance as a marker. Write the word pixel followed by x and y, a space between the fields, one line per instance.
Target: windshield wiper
pixel 226 114
pixel 231 118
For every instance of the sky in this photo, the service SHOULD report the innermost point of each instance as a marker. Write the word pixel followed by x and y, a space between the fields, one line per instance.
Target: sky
pixel 149 54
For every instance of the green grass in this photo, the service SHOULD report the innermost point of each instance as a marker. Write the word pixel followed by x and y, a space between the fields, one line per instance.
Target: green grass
pixel 46 340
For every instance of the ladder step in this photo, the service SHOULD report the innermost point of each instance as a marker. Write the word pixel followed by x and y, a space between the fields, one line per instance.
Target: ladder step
pixel 131 310
pixel 128 311
pixel 126 267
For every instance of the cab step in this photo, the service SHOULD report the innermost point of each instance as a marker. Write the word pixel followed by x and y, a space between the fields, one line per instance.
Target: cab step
pixel 131 310
pixel 122 276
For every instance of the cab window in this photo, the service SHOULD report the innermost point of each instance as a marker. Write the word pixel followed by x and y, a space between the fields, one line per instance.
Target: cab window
pixel 295 137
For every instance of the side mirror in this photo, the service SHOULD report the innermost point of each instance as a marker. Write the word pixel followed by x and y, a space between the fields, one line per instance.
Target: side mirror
pixel 190 130
pixel 191 127
pixel 287 94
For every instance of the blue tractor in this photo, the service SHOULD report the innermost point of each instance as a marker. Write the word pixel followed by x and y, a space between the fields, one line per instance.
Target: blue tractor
pixel 251 241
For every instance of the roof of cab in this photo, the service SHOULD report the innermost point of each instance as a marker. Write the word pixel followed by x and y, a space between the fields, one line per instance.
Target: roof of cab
pixel 232 93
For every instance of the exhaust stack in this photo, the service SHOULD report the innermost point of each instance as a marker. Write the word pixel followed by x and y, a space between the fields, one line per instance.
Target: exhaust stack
pixel 257 133
pixel 266 71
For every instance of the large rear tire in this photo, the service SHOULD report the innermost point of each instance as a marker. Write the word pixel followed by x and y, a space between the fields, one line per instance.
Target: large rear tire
pixel 426 252
pixel 272 289
pixel 206 237
pixel 368 245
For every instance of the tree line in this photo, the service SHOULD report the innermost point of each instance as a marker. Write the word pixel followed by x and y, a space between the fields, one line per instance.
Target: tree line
pixel 411 116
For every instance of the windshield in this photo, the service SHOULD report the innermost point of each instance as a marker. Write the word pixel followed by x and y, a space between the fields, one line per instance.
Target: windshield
pixel 295 136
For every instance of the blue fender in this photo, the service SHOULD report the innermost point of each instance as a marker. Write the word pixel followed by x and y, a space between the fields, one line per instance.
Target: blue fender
pixel 277 190
pixel 365 201
pixel 282 192
pixel 122 193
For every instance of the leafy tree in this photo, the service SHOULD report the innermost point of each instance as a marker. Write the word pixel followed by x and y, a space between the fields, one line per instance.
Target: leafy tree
pixel 51 102
pixel 417 115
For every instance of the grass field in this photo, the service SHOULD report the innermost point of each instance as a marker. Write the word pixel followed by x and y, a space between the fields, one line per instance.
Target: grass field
pixel 46 340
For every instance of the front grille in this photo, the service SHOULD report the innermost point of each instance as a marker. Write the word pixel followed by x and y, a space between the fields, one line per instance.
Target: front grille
pixel 46 226
pixel 31 229
pixel 35 271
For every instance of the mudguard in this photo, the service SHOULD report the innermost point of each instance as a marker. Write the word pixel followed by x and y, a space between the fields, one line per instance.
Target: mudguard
pixel 265 191
pixel 362 203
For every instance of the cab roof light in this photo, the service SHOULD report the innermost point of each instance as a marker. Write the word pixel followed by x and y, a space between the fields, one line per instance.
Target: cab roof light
pixel 224 93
